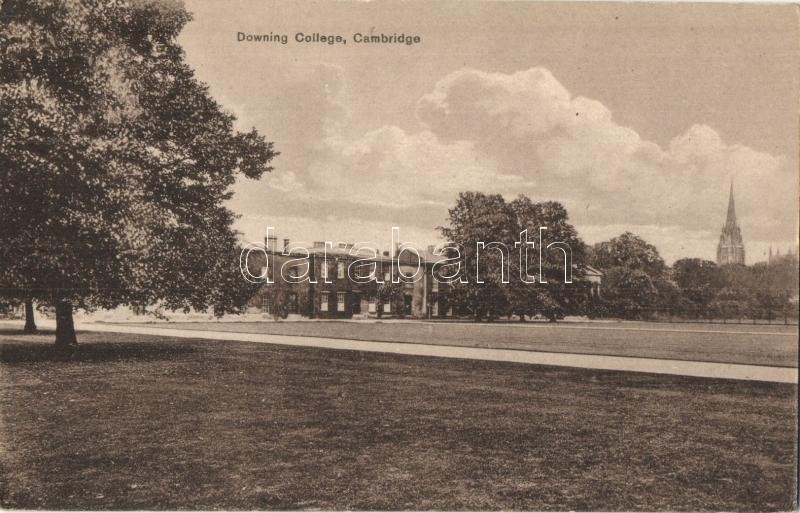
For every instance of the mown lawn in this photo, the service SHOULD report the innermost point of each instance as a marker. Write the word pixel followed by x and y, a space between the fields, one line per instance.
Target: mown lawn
pixel 136 422
pixel 723 343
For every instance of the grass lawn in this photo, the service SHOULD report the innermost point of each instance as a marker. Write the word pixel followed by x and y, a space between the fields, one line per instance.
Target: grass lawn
pixel 743 344
pixel 159 423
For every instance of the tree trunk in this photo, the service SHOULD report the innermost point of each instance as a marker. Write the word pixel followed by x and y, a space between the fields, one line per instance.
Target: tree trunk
pixel 30 322
pixel 65 327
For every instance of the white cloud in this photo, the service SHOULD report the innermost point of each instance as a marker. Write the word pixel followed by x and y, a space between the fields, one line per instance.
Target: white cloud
pixel 389 167
pixel 512 133
pixel 533 128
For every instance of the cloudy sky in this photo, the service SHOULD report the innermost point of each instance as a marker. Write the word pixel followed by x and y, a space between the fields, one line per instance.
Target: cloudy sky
pixel 636 117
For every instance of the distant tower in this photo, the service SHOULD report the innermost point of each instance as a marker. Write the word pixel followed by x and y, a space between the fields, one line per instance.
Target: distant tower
pixel 731 247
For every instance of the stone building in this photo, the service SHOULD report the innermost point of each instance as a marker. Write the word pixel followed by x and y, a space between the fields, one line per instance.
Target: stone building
pixel 330 293
pixel 730 249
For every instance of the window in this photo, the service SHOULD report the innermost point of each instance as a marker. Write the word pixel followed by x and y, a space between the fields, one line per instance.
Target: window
pixel 293 272
pixel 323 271
pixel 387 276
pixel 340 270
pixel 372 304
pixel 323 302
pixel 434 284
pixel 387 308
pixel 340 301
pixel 365 271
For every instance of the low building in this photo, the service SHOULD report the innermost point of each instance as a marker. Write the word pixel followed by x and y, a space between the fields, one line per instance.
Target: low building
pixel 325 289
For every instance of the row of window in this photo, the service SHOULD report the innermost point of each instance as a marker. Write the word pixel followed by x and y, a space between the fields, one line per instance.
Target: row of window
pixel 341 269
pixel 266 304
pixel 340 306
pixel 324 302
pixel 340 274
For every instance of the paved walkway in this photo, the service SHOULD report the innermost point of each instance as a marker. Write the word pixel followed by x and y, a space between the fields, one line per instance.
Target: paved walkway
pixel 617 363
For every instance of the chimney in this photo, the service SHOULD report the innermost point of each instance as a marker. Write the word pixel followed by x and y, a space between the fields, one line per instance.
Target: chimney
pixel 386 253
pixel 431 248
pixel 271 243
pixel 285 243
pixel 318 244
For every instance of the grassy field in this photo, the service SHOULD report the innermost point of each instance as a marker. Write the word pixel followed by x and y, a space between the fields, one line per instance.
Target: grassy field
pixel 744 344
pixel 150 422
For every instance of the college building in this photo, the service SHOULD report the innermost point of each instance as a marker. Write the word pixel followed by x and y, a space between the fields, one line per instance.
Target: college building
pixel 325 289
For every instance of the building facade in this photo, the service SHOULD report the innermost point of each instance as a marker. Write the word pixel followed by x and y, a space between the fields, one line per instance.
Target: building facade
pixel 326 290
pixel 329 292
pixel 730 249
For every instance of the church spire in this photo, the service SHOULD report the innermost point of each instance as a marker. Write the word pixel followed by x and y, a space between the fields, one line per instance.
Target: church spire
pixel 730 249
pixel 731 221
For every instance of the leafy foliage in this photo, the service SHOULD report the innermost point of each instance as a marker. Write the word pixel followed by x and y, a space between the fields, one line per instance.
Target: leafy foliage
pixel 479 217
pixel 116 161
pixel 391 294
pixel 631 252
pixel 637 284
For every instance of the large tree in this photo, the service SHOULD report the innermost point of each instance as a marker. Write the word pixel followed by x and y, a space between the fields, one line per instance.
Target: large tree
pixel 635 281
pixel 488 218
pixel 629 293
pixel 699 280
pixel 773 284
pixel 479 217
pixel 555 297
pixel 115 162
pixel 631 252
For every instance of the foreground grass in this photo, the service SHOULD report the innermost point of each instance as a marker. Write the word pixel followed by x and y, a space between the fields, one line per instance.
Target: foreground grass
pixel 158 423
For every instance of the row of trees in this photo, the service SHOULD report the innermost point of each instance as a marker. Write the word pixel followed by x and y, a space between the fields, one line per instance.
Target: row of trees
pixel 637 284
pixel 636 281
pixel 115 163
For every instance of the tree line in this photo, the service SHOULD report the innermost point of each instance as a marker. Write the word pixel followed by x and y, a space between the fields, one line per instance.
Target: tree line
pixel 636 282
pixel 638 285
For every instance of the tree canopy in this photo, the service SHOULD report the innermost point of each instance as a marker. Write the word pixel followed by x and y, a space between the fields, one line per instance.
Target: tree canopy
pixel 637 284
pixel 116 162
pixel 631 252
pixel 488 218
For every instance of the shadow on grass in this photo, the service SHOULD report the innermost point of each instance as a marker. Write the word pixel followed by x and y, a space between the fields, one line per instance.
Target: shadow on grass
pixel 24 348
pixel 12 332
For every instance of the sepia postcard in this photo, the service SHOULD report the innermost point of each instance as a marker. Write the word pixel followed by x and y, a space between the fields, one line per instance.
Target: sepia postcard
pixel 399 255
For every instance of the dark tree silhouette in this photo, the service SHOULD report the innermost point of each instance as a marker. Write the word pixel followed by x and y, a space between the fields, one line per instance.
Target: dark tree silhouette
pixel 116 163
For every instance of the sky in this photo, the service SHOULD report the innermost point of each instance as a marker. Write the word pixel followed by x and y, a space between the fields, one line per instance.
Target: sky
pixel 635 117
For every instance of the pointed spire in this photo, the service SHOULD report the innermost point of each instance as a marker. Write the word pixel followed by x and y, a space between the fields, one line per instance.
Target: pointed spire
pixel 731 221
pixel 730 249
